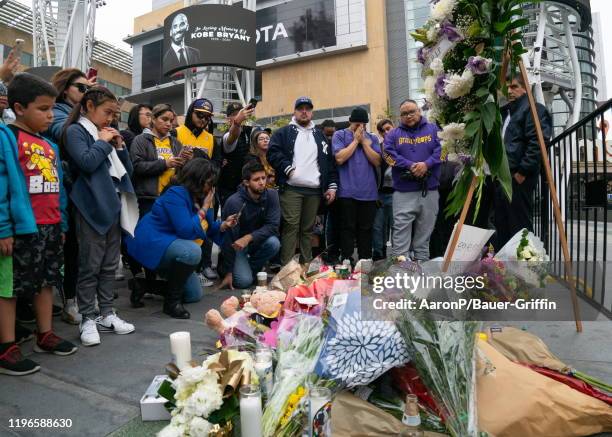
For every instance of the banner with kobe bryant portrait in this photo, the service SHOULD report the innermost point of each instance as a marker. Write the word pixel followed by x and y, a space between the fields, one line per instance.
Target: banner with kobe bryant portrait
pixel 209 35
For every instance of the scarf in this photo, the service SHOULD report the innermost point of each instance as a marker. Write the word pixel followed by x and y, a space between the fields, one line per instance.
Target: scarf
pixel 128 217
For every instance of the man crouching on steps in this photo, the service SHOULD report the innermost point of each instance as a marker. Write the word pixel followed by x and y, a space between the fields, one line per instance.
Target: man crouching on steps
pixel 254 241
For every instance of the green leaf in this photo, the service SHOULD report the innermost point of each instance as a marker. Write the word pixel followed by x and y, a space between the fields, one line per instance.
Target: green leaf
pixel 472 115
pixel 166 391
pixel 229 409
pixel 504 176
pixel 482 91
pixel 489 111
pixel 517 24
pixel 500 27
pixel 472 127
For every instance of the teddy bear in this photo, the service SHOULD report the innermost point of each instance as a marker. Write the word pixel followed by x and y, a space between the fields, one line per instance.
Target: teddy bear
pixel 266 303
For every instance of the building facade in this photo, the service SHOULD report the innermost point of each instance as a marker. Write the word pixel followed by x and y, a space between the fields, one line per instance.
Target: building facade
pixel 341 53
pixel 334 51
pixel 113 64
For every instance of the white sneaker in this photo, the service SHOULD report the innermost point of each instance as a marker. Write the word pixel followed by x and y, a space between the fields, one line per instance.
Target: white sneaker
pixel 210 273
pixel 205 281
pixel 71 313
pixel 112 323
pixel 89 333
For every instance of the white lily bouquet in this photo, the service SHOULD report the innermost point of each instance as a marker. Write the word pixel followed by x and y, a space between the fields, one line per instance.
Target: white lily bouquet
pixel 525 256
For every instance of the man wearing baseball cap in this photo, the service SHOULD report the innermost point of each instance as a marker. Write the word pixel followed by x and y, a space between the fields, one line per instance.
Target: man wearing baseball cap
pixel 194 133
pixel 235 148
pixel 305 171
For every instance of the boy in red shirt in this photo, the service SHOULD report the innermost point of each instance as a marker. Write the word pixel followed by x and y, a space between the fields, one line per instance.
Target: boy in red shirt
pixel 32 203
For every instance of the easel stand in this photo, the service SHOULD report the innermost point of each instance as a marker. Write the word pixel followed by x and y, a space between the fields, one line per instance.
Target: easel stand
pixel 553 195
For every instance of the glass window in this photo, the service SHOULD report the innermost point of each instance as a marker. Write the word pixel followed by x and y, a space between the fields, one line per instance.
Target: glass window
pixel 151 70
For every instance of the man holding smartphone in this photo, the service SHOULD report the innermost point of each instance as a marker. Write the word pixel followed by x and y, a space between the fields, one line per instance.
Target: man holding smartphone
pixel 236 144
pixel 251 244
pixel 357 155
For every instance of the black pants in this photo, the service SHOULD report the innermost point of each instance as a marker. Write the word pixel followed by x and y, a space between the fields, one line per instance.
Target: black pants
pixel 512 216
pixel 332 229
pixel 357 220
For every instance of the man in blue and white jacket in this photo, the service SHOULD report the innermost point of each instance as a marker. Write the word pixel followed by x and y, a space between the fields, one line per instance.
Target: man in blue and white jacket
pixel 305 170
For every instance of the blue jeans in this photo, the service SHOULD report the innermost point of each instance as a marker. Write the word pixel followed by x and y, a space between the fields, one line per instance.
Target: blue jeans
pixel 251 260
pixel 383 223
pixel 189 253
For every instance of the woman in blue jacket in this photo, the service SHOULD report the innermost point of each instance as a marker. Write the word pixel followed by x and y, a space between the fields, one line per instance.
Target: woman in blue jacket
pixel 165 239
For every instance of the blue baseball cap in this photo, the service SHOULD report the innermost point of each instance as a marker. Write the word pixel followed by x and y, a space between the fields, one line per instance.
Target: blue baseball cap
pixel 303 101
pixel 203 105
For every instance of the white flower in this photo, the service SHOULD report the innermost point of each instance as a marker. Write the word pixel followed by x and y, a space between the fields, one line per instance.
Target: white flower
pixel 452 131
pixel 442 10
pixel 437 67
pixel 432 32
pixel 172 431
pixel 203 401
pixel 187 380
pixel 526 254
pixel 429 86
pixel 433 114
pixel 199 427
pixel 452 157
pixel 458 86
pixel 401 258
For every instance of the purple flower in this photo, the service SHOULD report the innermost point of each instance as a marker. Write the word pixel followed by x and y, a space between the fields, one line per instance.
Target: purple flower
pixel 439 86
pixel 479 65
pixel 422 55
pixel 450 31
pixel 465 159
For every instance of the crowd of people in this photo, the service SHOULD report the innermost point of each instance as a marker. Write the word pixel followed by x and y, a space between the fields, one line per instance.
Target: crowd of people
pixel 76 194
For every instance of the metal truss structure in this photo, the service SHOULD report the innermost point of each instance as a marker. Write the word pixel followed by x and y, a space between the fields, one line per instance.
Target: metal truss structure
pixel 63 32
pixel 557 39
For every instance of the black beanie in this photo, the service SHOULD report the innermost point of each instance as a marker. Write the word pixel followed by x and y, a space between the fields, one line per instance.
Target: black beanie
pixel 359 115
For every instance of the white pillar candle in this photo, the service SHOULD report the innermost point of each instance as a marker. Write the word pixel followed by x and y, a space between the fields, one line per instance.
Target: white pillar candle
pixel 180 346
pixel 250 411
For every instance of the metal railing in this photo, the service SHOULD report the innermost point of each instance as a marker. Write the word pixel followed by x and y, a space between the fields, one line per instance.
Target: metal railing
pixel 581 162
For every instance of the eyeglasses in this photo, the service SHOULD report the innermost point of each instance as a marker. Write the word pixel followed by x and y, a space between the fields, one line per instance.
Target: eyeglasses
pixel 81 87
pixel 201 115
pixel 409 113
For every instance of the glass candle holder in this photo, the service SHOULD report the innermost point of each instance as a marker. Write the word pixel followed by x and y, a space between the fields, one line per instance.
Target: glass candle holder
pixel 250 411
pixel 319 412
pixel 263 367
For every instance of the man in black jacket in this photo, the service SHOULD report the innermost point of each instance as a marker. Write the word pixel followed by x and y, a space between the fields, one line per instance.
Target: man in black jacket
pixel 254 241
pixel 524 159
pixel 305 170
pixel 236 145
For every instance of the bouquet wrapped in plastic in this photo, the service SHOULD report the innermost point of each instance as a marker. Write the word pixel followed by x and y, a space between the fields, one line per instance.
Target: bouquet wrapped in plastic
pixel 444 355
pixel 355 351
pixel 299 339
pixel 525 257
